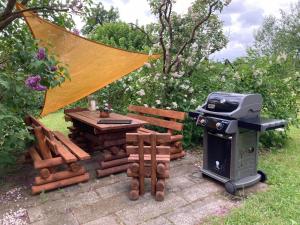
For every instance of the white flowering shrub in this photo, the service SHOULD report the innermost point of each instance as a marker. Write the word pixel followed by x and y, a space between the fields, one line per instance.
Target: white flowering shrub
pixel 276 78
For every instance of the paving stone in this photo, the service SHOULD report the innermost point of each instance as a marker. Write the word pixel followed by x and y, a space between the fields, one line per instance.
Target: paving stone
pixel 46 209
pixel 60 219
pixel 182 170
pixel 102 208
pixel 157 221
pixel 114 189
pixel 106 220
pixel 200 191
pixel 83 199
pixel 182 216
pixel 150 209
pixel 178 183
pixel 35 214
pixel 212 206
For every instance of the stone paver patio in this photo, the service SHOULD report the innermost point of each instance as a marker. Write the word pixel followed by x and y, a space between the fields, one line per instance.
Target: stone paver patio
pixel 190 199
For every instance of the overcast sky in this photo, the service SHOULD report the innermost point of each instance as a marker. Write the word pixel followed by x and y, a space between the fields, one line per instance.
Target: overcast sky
pixel 241 18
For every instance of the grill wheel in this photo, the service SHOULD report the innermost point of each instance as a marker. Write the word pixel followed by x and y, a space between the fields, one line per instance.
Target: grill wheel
pixel 230 187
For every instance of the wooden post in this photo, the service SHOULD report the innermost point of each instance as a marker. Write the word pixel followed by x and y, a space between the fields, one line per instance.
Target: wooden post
pixel 153 163
pixel 142 166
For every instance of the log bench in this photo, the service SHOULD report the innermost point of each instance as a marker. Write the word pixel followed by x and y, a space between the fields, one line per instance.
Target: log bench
pixel 56 158
pixel 170 120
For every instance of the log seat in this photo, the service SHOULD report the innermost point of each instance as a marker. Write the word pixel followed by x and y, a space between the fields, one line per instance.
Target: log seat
pixel 51 150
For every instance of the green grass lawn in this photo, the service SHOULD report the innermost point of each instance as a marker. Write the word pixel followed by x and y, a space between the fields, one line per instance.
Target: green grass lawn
pixel 279 205
pixel 56 121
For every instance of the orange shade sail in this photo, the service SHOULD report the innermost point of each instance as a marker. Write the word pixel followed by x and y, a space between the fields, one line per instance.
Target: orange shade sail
pixel 91 65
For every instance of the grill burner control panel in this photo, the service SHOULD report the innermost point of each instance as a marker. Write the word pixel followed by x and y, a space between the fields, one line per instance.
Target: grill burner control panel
pixel 217 124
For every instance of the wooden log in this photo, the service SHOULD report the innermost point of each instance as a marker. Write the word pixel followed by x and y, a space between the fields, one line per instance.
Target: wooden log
pixel 111 136
pixel 177 137
pixel 134 195
pixel 177 155
pixel 134 184
pixel 158 112
pixel 161 168
pixel 60 183
pixel 78 152
pixel 113 163
pixel 44 150
pixel 141 163
pixel 114 150
pixel 148 173
pixel 134 167
pixel 48 163
pixel 67 118
pixel 45 173
pixel 34 154
pixel 158 122
pixel 175 150
pixel 65 153
pixel 114 142
pixel 178 144
pixel 113 170
pixel 159 196
pixel 160 185
pixel 153 163
pixel 93 138
pixel 75 167
pixel 159 158
pixel 58 176
pixel 163 150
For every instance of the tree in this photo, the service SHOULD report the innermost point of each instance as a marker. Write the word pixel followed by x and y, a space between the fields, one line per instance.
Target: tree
pixel 279 35
pixel 8 12
pixel 122 35
pixel 25 71
pixel 95 15
pixel 200 26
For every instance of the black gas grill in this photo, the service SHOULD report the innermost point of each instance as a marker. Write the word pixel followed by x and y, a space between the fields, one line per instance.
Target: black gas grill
pixel 231 125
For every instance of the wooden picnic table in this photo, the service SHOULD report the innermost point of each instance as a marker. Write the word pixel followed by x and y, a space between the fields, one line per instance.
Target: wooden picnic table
pixel 91 118
pixel 109 139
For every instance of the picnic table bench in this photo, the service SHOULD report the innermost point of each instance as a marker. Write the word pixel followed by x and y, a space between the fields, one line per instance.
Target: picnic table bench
pixel 56 158
pixel 169 120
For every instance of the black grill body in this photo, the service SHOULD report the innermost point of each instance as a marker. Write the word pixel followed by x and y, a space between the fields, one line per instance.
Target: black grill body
pixel 231 125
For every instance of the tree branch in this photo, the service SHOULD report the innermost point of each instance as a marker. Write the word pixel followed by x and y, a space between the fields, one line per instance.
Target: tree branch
pixel 11 16
pixel 8 9
pixel 161 33
pixel 143 31
pixel 210 10
pixel 167 17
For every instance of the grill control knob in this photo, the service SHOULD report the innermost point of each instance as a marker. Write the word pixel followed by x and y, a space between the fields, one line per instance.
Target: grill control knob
pixel 219 126
pixel 203 122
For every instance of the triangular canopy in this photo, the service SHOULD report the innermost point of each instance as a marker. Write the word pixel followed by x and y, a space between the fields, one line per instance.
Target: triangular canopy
pixel 91 65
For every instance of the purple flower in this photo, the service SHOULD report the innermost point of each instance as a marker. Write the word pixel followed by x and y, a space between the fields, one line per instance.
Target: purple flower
pixel 53 68
pixel 76 31
pixel 33 82
pixel 41 54
pixel 40 87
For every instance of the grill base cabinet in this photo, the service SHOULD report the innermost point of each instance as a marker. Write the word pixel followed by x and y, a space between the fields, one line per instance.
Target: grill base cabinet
pixel 231 125
pixel 231 159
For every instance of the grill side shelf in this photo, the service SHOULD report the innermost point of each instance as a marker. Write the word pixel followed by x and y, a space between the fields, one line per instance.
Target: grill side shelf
pixel 261 124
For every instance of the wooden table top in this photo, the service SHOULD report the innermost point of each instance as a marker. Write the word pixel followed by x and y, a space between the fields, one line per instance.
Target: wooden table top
pixel 91 119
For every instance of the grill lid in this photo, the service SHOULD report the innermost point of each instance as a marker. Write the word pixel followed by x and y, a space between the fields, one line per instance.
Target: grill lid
pixel 232 105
